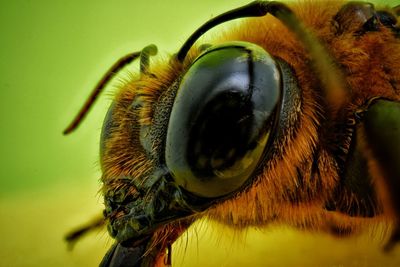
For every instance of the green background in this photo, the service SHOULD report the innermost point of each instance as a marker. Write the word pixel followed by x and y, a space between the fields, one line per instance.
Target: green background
pixel 51 55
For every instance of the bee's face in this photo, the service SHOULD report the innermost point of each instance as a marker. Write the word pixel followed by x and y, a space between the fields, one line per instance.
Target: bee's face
pixel 267 122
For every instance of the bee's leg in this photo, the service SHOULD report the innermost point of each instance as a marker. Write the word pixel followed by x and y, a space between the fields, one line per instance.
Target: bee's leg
pixel 356 17
pixel 389 20
pixel 361 17
pixel 381 127
pixel 76 234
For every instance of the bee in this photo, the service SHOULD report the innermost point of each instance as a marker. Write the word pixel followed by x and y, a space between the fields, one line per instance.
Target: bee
pixel 291 116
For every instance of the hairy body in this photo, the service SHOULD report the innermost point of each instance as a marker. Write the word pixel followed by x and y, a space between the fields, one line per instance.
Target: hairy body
pixel 320 174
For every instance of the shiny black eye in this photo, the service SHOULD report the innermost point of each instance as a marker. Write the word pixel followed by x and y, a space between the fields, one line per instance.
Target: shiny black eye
pixel 221 118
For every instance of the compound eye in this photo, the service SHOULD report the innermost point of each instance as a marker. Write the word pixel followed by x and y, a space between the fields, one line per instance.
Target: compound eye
pixel 108 124
pixel 221 118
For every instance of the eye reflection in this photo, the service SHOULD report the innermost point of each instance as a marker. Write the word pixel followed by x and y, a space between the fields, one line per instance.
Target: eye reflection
pixel 221 119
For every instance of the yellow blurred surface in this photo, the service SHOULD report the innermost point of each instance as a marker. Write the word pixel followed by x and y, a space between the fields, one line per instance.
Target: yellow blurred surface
pixel 32 227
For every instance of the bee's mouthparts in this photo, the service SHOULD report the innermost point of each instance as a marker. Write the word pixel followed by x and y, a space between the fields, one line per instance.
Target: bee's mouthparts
pixel 119 255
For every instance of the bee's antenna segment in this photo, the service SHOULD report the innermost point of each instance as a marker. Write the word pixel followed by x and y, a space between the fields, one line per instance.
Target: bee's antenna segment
pixel 150 50
pixel 144 55
pixel 99 87
pixel 254 9
pixel 329 75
